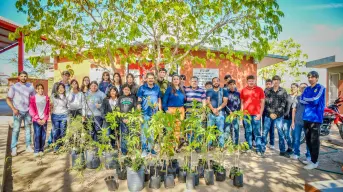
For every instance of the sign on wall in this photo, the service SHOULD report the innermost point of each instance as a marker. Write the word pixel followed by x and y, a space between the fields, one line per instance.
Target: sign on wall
pixel 95 74
pixel 205 74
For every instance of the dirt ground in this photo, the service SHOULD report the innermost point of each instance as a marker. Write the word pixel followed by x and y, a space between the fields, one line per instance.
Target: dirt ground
pixel 273 173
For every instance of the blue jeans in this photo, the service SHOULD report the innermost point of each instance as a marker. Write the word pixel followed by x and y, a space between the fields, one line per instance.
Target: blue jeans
pixel 271 132
pixel 39 136
pixel 219 122
pixel 253 126
pixel 96 126
pixel 123 142
pixel 147 140
pixel 296 134
pixel 23 116
pixel 267 125
pixel 232 130
pixel 59 128
pixel 287 131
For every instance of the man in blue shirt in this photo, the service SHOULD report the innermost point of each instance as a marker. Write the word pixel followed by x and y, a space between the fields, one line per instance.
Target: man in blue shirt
pixel 217 100
pixel 233 104
pixel 314 100
pixel 149 100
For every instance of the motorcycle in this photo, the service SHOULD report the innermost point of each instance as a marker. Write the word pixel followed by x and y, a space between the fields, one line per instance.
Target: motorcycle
pixel 331 116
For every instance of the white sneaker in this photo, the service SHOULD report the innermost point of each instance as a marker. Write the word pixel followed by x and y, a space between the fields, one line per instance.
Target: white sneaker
pixel 295 157
pixel 35 154
pixel 29 149
pixel 307 161
pixel 14 152
pixel 311 166
pixel 271 147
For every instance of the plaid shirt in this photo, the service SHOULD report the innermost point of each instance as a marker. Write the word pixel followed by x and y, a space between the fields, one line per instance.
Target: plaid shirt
pixel 275 102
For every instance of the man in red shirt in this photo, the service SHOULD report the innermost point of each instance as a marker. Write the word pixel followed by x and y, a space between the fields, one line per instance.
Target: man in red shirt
pixel 252 98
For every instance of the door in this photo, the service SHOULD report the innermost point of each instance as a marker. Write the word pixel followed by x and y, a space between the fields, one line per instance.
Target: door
pixel 333 87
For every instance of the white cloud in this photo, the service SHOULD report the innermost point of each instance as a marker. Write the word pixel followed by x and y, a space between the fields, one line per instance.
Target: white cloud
pixel 324 6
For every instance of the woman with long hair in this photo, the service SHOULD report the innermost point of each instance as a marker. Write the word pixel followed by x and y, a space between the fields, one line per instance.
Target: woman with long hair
pixel 92 109
pixel 105 81
pixel 75 99
pixel 130 81
pixel 117 82
pixel 59 114
pixel 109 104
pixel 173 102
pixel 287 119
pixel 39 110
pixel 85 84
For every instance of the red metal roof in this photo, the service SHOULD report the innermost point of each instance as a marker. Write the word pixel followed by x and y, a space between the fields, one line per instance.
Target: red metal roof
pixel 7 26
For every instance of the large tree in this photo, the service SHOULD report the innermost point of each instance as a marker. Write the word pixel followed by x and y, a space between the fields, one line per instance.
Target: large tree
pixel 290 69
pixel 114 32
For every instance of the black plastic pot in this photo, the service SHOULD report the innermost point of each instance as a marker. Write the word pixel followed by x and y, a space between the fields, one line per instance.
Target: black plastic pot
pixel 175 164
pixel 135 181
pixel 182 176
pixel 146 176
pixel 111 183
pixel 155 182
pixel 190 181
pixel 169 181
pixel 122 173
pixel 201 170
pixel 233 171
pixel 209 176
pixel 111 161
pixel 220 176
pixel 78 160
pixel 92 160
pixel 197 179
pixel 172 171
pixel 238 180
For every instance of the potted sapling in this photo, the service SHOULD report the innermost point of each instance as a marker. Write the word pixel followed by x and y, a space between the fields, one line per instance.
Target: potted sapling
pixel 238 174
pixel 209 135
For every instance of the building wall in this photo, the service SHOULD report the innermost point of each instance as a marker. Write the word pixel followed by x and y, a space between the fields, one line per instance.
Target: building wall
pixel 340 83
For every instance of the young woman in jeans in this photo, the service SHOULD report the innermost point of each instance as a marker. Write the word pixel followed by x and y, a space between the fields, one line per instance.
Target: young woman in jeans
pixel 91 110
pixel 75 99
pixel 39 111
pixel 59 114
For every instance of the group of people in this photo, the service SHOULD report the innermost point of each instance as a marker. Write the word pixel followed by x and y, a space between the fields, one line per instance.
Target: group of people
pixel 269 108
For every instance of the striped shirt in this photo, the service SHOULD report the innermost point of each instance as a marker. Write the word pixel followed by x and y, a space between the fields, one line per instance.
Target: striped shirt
pixel 198 94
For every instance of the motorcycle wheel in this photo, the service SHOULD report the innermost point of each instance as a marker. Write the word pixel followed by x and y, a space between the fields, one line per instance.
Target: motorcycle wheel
pixel 340 129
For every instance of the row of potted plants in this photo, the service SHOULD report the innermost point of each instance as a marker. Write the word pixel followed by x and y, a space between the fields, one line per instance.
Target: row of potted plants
pixel 163 167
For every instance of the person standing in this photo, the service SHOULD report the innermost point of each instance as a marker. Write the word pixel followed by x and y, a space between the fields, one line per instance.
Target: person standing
pixel 117 82
pixel 161 81
pixel 275 105
pixel 39 111
pixel 269 85
pixel 105 81
pixel 208 85
pixel 65 81
pixel 91 109
pixel 59 114
pixel 287 120
pixel 298 126
pixel 173 102
pixel 149 100
pixel 183 81
pixel 130 81
pixel 127 102
pixel 227 78
pixel 85 84
pixel 109 104
pixel 75 100
pixel 233 104
pixel 252 99
pixel 217 100
pixel 314 100
pixel 18 99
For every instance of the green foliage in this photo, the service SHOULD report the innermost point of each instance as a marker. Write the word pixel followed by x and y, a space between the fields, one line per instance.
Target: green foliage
pixel 164 31
pixel 289 68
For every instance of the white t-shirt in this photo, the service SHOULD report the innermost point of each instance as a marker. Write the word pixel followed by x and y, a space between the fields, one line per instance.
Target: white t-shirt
pixel 41 103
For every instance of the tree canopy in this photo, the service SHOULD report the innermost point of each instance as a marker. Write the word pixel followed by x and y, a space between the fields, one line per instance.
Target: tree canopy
pixel 114 32
pixel 289 69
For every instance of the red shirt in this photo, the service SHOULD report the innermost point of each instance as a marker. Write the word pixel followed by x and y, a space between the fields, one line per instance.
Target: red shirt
pixel 251 99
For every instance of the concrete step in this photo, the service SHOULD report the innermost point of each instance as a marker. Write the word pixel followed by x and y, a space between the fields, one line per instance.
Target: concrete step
pixel 325 186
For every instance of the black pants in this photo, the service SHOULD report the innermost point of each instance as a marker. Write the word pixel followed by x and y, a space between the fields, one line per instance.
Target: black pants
pixel 312 132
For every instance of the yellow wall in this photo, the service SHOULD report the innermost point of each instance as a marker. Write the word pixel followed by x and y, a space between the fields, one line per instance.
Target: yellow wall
pixel 80 70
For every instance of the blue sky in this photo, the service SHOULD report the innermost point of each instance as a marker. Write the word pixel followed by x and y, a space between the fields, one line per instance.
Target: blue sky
pixel 316 24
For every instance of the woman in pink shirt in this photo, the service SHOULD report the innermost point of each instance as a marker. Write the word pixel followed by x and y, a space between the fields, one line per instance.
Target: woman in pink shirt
pixel 39 111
